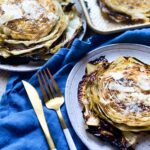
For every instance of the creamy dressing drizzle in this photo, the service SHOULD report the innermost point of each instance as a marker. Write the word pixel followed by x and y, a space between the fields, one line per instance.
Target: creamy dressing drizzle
pixel 29 9
pixel 120 88
pixel 117 75
pixel 128 95
pixel 143 82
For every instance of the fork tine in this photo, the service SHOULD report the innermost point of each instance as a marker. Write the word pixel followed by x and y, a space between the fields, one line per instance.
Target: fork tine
pixel 45 96
pixel 54 83
pixel 52 92
pixel 47 88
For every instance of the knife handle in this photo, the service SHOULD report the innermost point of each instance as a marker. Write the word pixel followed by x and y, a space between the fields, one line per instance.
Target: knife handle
pixel 46 132
pixel 38 108
pixel 41 117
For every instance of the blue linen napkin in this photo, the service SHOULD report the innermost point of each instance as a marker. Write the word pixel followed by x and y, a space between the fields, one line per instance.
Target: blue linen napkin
pixel 19 127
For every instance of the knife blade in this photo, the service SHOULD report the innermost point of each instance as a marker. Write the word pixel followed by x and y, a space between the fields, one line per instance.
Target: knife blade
pixel 38 108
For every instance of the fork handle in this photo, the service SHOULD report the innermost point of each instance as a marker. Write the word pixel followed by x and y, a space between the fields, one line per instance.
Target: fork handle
pixel 66 131
pixel 69 139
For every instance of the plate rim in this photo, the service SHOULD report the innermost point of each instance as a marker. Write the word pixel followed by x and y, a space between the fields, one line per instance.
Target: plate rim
pixel 75 68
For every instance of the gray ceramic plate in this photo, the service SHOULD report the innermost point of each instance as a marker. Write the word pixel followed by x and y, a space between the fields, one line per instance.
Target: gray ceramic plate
pixel 35 66
pixel 74 108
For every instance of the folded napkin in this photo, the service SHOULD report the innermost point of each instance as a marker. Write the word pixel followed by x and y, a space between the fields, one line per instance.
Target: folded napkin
pixel 19 127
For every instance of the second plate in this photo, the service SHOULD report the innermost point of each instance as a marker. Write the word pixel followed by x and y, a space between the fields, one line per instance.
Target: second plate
pixel 74 109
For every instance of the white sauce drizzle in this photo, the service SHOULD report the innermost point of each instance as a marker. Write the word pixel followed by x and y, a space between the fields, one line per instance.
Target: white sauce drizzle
pixel 129 95
pixel 120 88
pixel 11 12
pixel 143 82
pixel 117 75
pixel 29 9
pixel 32 10
pixel 136 97
pixel 132 107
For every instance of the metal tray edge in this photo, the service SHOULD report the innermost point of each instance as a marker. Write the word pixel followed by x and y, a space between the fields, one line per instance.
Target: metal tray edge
pixel 91 25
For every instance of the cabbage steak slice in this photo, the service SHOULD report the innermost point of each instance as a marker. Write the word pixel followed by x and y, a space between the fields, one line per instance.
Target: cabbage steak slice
pixel 98 124
pixel 126 10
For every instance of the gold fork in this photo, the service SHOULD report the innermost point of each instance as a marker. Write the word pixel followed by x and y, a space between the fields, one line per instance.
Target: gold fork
pixel 54 100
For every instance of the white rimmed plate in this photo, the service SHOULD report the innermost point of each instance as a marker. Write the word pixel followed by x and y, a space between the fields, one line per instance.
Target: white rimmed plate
pixel 74 109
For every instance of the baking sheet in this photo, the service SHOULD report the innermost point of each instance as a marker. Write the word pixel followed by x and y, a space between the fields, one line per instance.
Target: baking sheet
pixel 104 25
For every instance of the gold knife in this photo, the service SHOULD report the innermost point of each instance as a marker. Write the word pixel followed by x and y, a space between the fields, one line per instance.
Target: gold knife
pixel 38 108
